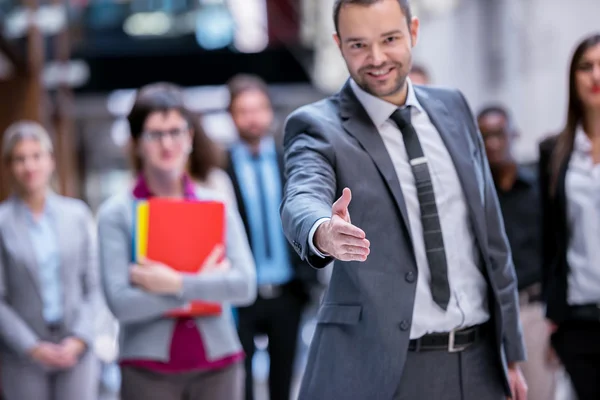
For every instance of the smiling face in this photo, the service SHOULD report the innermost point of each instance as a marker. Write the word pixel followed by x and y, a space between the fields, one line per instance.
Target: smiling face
pixel 376 42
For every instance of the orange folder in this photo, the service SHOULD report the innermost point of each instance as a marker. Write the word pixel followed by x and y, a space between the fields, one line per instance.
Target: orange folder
pixel 181 234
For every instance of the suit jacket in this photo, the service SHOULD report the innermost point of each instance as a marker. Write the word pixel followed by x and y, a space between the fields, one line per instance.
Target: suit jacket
pixel 21 321
pixel 304 276
pixel 144 331
pixel 363 325
pixel 555 237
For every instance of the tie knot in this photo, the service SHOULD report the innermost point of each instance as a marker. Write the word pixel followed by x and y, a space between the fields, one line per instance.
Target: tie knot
pixel 401 117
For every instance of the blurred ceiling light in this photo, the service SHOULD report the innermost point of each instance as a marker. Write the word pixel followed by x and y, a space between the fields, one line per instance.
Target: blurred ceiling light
pixel 251 33
pixel 119 132
pixel 119 102
pixel 73 74
pixel 214 26
pixel 437 6
pixel 148 24
pixel 50 20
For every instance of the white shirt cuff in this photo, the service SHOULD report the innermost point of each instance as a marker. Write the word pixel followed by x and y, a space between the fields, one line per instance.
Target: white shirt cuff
pixel 311 234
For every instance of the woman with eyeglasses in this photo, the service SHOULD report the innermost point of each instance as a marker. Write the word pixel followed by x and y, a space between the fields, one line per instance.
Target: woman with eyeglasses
pixel 167 358
pixel 48 279
pixel 570 188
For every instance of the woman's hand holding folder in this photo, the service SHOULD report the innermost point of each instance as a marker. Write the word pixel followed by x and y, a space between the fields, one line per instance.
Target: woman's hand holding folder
pixel 158 278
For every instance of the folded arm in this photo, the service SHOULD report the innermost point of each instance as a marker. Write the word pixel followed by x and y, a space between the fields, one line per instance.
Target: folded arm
pixel 236 285
pixel 127 303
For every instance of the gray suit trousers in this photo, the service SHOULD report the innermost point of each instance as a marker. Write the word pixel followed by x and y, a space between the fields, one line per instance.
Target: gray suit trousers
pixel 472 374
pixel 27 380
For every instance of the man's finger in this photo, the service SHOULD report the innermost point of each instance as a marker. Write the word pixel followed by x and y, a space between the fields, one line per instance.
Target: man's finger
pixel 347 240
pixel 340 206
pixel 352 257
pixel 349 229
pixel 355 250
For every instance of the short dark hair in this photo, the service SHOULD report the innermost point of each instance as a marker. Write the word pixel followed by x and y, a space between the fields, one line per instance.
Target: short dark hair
pixel 404 5
pixel 420 69
pixel 242 83
pixel 163 97
pixel 498 109
pixel 494 109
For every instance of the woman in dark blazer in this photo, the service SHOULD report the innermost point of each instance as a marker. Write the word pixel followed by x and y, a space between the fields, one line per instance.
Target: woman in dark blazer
pixel 570 187
pixel 162 357
pixel 48 279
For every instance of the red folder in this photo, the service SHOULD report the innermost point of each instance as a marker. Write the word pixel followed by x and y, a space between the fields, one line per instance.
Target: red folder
pixel 181 234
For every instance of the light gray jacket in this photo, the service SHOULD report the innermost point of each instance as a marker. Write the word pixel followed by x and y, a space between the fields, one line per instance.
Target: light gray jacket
pixel 144 331
pixel 22 323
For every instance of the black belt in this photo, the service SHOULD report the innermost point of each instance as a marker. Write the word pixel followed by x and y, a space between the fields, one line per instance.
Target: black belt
pixel 588 312
pixel 451 342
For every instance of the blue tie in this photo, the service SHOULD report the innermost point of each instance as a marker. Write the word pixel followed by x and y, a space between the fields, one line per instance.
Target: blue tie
pixel 256 163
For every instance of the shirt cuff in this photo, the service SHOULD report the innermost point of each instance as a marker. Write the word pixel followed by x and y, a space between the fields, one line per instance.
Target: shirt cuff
pixel 311 234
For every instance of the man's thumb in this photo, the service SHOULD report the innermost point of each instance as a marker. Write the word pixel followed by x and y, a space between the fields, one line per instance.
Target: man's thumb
pixel 340 206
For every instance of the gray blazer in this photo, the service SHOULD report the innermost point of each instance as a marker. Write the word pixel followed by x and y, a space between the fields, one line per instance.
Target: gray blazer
pixel 144 332
pixel 363 326
pixel 21 321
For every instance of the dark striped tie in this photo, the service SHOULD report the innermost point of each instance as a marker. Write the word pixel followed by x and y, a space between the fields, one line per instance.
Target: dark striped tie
pixel 432 231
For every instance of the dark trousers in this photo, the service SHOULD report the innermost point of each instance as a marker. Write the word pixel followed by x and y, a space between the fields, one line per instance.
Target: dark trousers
pixel 222 384
pixel 577 344
pixel 279 319
pixel 472 374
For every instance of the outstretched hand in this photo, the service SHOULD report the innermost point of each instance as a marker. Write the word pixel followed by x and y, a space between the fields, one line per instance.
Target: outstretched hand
pixel 340 239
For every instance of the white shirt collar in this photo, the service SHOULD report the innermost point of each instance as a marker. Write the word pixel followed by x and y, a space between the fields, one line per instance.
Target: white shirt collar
pixel 582 142
pixel 380 110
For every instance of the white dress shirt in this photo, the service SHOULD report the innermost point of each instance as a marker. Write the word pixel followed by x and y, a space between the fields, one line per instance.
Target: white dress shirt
pixel 468 304
pixel 583 213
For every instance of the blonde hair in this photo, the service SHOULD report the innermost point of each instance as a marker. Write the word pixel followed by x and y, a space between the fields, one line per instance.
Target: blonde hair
pixel 22 130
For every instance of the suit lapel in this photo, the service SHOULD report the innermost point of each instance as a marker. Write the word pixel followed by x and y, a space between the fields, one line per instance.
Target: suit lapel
pixel 461 152
pixel 358 124
pixel 23 240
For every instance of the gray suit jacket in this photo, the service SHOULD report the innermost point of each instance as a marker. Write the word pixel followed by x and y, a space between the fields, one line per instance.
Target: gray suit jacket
pixel 21 321
pixel 144 331
pixel 360 343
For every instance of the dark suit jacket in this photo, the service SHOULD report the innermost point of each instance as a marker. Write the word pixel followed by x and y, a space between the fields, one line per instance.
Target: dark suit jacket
pixel 304 276
pixel 555 233
pixel 363 326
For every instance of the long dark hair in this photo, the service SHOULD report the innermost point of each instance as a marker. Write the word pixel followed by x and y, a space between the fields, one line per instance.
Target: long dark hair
pixel 165 97
pixel 575 111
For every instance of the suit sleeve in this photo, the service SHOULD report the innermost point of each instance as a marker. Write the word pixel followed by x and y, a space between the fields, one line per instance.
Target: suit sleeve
pixel 84 323
pixel 504 277
pixel 548 226
pixel 13 330
pixel 310 185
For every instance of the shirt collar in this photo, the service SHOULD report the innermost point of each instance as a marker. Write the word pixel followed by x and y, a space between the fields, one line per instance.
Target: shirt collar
pixel 49 205
pixel 380 110
pixel 141 190
pixel 582 141
pixel 266 147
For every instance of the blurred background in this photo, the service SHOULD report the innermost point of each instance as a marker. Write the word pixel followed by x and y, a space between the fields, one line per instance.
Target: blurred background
pixel 74 65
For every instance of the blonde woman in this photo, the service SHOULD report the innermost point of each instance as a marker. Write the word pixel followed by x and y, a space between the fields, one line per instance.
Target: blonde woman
pixel 48 278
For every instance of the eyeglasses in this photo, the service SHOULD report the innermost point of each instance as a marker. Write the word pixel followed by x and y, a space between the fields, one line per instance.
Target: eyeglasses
pixel 157 136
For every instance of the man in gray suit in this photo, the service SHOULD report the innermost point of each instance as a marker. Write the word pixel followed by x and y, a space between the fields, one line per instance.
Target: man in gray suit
pixel 422 302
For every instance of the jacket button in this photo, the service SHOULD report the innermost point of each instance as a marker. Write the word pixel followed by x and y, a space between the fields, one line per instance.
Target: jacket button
pixel 410 277
pixel 404 325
